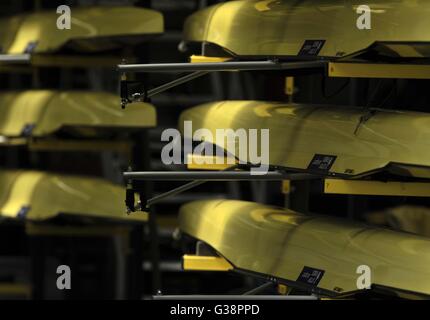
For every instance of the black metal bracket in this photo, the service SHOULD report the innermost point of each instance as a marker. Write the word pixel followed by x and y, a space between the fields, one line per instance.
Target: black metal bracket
pixel 222 66
pixel 198 70
pixel 197 178
pixel 126 98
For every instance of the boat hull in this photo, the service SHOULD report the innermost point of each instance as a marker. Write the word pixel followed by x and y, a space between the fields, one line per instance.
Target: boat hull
pixel 40 113
pixel 388 141
pixel 285 28
pixel 282 244
pixel 93 29
pixel 40 196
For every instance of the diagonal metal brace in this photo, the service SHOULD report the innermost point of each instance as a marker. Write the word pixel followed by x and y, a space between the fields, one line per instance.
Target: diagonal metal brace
pixel 198 70
pixel 199 178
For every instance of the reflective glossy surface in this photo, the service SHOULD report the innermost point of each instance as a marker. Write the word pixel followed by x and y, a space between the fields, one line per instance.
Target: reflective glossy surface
pixel 40 196
pixel 281 27
pixel 397 141
pixel 39 113
pixel 280 243
pixel 409 218
pixel 92 29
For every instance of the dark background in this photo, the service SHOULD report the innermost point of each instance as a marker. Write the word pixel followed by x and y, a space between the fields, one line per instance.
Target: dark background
pixel 94 259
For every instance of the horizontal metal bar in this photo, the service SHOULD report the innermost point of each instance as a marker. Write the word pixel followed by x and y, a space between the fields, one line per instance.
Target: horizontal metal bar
pixel 220 66
pixel 166 266
pixel 233 297
pixel 214 176
pixel 15 58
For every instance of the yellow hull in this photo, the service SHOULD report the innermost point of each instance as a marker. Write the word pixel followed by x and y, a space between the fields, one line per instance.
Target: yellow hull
pixel 40 196
pixel 393 141
pixel 92 29
pixel 281 244
pixel 40 113
pixel 255 28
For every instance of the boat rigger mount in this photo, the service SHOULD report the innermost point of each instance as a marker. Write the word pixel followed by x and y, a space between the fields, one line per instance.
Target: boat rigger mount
pixel 198 70
pixel 196 178
pixel 355 65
